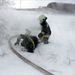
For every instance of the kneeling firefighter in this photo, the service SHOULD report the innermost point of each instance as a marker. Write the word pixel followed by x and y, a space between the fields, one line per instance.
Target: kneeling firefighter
pixel 28 41
pixel 45 29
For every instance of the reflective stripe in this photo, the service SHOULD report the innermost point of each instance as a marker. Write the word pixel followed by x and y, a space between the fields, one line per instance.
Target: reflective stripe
pixel 32 42
pixel 44 36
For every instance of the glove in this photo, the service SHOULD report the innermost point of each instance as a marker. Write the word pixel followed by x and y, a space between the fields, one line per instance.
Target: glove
pixel 40 35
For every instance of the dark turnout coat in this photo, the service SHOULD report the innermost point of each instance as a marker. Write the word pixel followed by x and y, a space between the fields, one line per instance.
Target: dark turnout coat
pixel 45 28
pixel 29 42
pixel 45 32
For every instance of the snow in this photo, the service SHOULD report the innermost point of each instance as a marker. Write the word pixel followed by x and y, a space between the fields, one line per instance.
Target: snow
pixel 58 56
pixel 11 65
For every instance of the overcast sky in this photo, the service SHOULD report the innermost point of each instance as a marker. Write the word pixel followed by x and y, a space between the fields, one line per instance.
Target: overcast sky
pixel 36 3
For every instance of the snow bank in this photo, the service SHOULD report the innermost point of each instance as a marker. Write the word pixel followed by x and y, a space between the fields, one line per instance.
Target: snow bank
pixel 59 55
pixel 14 22
pixel 62 7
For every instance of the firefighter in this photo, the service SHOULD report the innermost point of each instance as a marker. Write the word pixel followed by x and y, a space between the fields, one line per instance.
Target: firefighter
pixel 29 42
pixel 45 29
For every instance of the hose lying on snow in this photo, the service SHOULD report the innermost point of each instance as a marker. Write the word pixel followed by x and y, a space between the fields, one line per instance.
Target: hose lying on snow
pixel 45 72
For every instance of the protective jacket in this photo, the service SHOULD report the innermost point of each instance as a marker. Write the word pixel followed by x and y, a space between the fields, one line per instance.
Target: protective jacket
pixel 28 41
pixel 45 28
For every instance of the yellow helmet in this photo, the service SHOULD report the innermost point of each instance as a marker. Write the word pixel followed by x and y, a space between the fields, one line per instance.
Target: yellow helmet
pixel 42 18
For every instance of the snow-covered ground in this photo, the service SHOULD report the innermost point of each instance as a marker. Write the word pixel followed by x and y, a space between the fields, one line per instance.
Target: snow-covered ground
pixel 58 56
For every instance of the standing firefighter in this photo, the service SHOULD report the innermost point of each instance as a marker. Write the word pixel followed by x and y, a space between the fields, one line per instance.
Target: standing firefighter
pixel 45 30
pixel 29 42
